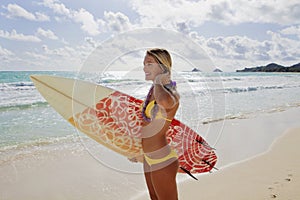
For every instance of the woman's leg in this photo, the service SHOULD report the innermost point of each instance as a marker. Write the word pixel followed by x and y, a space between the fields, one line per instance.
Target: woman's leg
pixel 148 178
pixel 164 181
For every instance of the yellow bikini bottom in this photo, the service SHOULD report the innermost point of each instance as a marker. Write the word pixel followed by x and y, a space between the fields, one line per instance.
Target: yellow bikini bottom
pixel 152 161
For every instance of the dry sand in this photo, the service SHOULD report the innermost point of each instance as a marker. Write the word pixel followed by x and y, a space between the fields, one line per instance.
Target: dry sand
pixel 272 175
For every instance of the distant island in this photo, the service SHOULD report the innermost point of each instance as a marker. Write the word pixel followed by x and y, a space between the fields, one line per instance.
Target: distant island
pixel 217 70
pixel 272 67
pixel 198 70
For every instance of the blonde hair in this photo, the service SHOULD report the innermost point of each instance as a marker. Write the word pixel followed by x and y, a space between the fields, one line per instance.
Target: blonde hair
pixel 162 56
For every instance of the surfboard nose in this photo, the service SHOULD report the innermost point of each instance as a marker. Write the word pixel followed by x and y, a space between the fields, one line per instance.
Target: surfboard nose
pixel 34 78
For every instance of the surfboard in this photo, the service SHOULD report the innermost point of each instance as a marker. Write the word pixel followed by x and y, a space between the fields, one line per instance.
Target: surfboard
pixel 114 120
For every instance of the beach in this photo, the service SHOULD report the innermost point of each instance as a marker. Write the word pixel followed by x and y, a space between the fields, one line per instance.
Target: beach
pixel 63 173
pixel 244 116
pixel 90 89
pixel 273 175
pixel 271 171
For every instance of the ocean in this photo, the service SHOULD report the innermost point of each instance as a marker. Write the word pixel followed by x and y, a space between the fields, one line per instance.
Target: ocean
pixel 27 119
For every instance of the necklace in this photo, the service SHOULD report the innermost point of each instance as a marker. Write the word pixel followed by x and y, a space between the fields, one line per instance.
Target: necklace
pixel 146 102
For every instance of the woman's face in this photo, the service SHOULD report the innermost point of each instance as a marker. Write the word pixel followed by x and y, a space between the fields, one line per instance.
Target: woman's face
pixel 151 68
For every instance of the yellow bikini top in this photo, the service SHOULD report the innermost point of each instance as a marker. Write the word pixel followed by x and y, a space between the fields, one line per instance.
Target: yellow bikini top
pixel 158 115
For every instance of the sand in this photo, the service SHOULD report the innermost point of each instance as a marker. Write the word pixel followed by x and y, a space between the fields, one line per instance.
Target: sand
pixel 273 175
pixel 262 162
pixel 64 174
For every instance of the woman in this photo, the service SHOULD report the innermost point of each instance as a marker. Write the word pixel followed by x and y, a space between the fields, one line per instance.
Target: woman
pixel 159 108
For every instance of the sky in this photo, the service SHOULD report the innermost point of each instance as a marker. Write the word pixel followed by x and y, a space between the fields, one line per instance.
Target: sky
pixel 61 34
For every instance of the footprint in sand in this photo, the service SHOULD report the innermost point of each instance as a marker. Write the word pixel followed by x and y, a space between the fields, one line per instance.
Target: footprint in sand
pixel 289 178
pixel 278 185
pixel 273 196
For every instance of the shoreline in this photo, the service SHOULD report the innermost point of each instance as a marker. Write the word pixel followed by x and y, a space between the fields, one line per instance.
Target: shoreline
pixel 243 139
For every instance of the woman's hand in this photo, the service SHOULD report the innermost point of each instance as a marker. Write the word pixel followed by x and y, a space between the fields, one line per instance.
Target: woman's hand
pixel 134 159
pixel 162 79
pixel 164 96
pixel 138 158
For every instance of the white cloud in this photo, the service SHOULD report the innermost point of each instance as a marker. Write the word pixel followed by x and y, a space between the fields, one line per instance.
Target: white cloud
pixel 91 41
pixel 37 56
pixel 13 35
pixel 277 12
pixel 46 33
pixel 169 13
pixel 63 58
pixel 117 22
pixel 229 51
pixel 183 15
pixel 88 23
pixel 41 17
pixel 63 52
pixel 5 52
pixel 284 48
pixel 15 11
pixel 6 57
pixel 57 7
pixel 234 47
pixel 292 30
